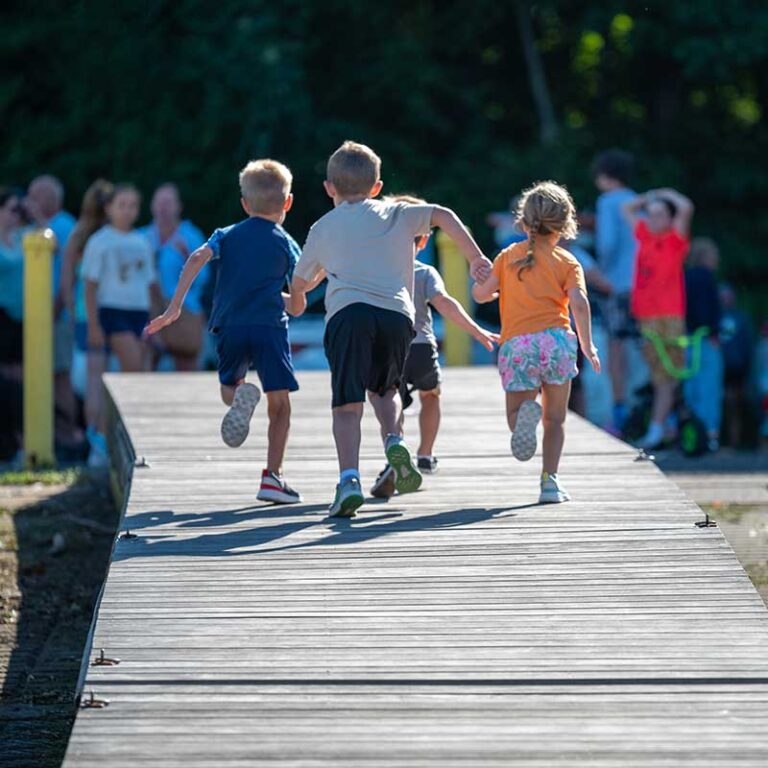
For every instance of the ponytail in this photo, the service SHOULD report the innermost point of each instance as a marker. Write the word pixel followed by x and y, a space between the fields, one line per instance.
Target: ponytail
pixel 527 262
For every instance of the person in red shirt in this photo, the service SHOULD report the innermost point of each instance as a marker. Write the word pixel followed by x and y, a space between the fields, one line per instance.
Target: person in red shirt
pixel 658 290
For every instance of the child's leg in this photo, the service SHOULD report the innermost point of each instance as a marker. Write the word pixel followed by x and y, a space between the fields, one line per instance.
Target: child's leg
pixel 663 400
pixel 514 401
pixel 389 410
pixel 346 434
pixel 97 365
pixel 555 408
pixel 429 421
pixel 279 411
pixel 129 350
pixel 228 392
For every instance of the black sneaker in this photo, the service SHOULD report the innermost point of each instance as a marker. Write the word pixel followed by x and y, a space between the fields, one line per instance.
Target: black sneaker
pixel 384 487
pixel 427 464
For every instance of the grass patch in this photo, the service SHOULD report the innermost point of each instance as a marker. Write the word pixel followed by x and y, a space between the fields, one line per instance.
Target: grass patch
pixel 729 513
pixel 41 476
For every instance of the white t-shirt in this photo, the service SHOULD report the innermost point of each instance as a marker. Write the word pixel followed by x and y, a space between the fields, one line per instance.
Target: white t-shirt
pixel 367 250
pixel 123 265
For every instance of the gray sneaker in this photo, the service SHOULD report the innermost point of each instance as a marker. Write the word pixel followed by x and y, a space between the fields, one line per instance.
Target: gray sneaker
pixel 551 490
pixel 237 421
pixel 524 437
pixel 407 476
pixel 348 499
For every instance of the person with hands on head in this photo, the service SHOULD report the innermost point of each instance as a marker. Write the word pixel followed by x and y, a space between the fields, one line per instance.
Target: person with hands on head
pixel 658 292
pixel 537 283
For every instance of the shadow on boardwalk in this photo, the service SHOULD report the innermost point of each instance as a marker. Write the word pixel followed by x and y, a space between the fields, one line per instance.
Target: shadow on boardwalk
pixel 256 540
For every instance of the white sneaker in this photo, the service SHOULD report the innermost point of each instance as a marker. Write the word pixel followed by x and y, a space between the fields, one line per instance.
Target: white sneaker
pixel 652 438
pixel 523 440
pixel 237 421
pixel 551 490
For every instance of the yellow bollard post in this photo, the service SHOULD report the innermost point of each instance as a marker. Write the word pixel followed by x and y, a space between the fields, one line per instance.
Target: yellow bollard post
pixel 455 272
pixel 38 348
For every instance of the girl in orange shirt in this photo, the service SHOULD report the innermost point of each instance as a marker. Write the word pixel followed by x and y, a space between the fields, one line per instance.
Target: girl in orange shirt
pixel 538 284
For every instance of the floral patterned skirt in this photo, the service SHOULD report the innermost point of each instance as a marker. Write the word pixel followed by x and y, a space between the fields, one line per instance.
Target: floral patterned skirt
pixel 547 357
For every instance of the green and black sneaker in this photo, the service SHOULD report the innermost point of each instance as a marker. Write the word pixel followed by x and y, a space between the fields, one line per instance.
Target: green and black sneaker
pixel 407 476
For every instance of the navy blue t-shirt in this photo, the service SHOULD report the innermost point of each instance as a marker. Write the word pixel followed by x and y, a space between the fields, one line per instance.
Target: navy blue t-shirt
pixel 256 259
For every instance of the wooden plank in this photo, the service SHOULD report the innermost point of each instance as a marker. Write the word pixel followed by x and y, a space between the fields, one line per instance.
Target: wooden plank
pixel 462 625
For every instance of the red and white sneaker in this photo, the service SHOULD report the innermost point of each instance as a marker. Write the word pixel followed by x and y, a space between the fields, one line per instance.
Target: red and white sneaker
pixel 274 489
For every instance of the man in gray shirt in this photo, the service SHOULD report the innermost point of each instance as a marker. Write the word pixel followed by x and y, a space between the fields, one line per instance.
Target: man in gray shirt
pixel 366 248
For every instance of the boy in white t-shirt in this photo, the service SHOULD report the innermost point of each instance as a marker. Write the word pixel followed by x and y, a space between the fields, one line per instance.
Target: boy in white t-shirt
pixel 366 247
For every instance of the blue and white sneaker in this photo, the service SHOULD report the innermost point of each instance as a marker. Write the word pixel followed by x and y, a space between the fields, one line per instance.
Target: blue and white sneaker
pixel 237 421
pixel 523 441
pixel 349 498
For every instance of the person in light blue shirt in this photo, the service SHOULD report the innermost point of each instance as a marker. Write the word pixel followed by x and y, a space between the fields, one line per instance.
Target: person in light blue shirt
pixel 172 240
pixel 616 249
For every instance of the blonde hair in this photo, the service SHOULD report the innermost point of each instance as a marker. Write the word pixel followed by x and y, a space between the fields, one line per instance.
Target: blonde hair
pixel 265 186
pixel 353 169
pixel 544 209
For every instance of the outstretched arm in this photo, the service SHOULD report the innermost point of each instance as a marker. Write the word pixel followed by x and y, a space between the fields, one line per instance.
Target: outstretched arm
pixel 583 317
pixel 296 298
pixel 451 310
pixel 451 224
pixel 485 292
pixel 192 267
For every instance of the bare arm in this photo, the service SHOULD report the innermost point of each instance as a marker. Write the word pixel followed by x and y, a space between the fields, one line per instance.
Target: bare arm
pixel 583 318
pixel 72 256
pixel 631 209
pixel 483 293
pixel 192 268
pixel 451 310
pixel 684 208
pixel 451 224
pixel 296 298
pixel 95 332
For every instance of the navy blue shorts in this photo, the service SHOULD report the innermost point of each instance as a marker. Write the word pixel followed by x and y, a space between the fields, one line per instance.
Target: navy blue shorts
pixel 262 347
pixel 114 321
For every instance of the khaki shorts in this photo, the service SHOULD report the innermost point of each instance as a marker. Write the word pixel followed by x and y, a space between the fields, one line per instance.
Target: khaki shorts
pixel 669 329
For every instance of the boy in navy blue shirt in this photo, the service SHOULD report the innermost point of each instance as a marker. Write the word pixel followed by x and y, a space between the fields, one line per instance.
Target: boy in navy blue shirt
pixel 256 258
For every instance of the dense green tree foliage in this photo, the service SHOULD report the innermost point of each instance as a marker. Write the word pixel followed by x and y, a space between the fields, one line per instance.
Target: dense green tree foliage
pixel 190 89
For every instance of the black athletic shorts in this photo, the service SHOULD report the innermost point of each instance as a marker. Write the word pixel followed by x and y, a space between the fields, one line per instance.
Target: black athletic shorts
pixel 422 372
pixel 366 347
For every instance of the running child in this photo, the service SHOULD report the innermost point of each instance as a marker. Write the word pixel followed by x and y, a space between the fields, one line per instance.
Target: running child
pixel 658 292
pixel 537 283
pixel 120 281
pixel 256 258
pixel 422 368
pixel 366 247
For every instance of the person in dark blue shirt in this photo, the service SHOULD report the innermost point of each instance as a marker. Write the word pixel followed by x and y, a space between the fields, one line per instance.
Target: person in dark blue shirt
pixel 256 258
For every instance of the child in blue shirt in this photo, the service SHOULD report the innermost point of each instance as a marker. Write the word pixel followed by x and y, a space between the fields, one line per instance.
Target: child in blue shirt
pixel 256 258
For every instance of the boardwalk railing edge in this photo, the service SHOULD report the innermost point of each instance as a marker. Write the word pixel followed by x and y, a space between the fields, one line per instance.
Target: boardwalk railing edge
pixel 122 459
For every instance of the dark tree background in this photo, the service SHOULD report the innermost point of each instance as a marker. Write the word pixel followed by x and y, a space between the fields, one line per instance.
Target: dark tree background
pixel 466 102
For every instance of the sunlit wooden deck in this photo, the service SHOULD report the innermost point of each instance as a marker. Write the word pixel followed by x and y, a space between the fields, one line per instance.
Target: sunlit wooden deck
pixel 463 625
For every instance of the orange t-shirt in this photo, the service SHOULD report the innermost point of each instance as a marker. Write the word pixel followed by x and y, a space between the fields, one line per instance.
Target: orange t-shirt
pixel 540 299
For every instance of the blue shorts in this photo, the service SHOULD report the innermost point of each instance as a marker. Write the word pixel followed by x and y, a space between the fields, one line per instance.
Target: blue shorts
pixel 123 321
pixel 264 348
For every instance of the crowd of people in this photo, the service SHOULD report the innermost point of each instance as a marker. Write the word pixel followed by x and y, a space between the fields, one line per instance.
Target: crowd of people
pixel 671 335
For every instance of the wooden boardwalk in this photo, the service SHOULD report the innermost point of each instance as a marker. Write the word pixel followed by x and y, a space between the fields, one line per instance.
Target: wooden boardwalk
pixel 460 626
